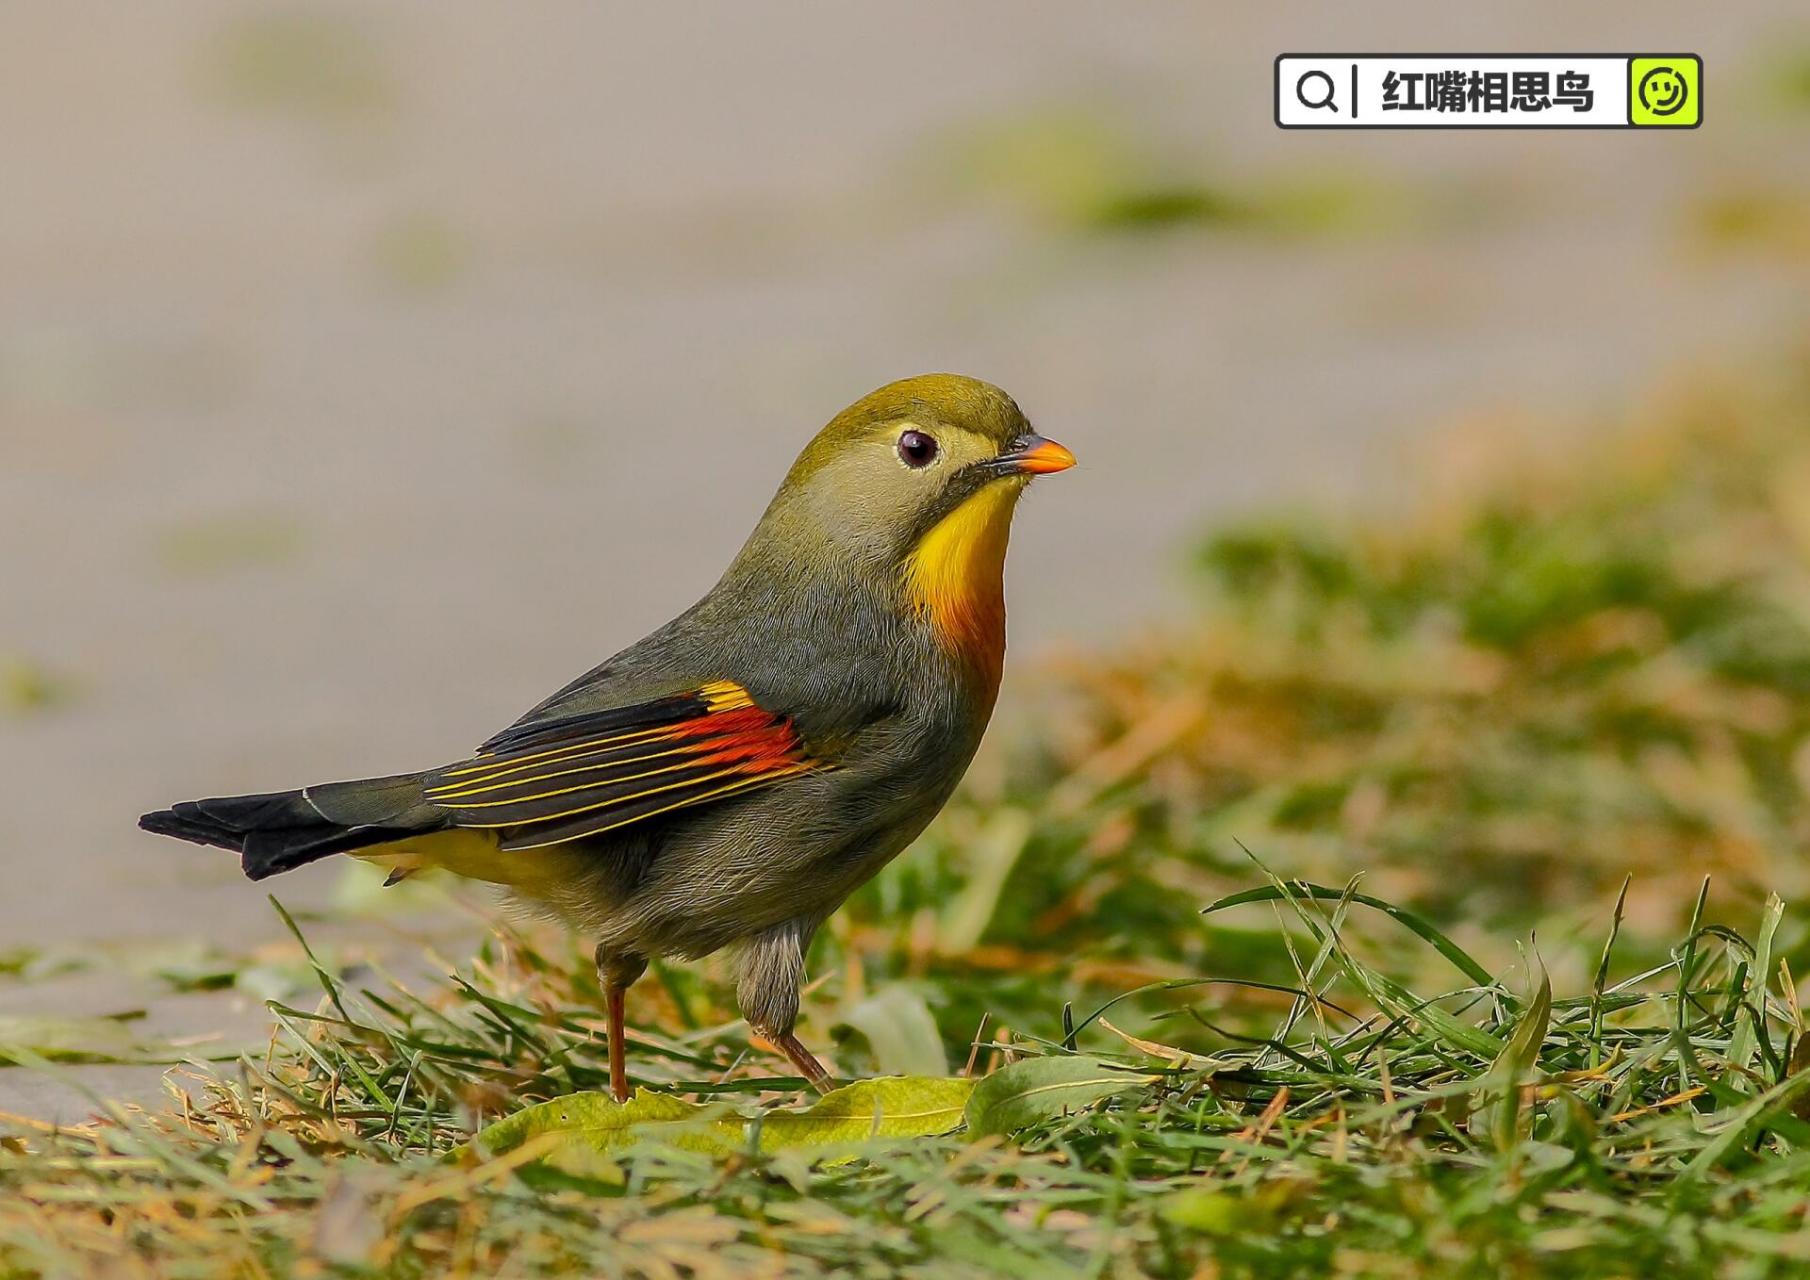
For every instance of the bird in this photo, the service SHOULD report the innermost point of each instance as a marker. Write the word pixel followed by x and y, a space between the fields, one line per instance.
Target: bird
pixel 731 778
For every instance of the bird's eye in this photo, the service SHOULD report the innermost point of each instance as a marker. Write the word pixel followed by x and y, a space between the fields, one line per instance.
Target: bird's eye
pixel 917 449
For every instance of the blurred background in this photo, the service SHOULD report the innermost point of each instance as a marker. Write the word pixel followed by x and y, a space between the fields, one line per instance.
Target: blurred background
pixel 368 371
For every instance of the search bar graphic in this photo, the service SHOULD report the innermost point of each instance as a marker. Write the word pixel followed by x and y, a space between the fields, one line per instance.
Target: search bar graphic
pixel 1488 90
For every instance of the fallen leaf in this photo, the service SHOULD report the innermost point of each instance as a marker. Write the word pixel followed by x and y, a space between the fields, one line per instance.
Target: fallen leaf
pixel 894 1107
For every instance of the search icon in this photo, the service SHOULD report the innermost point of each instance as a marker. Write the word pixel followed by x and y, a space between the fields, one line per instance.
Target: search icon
pixel 1323 100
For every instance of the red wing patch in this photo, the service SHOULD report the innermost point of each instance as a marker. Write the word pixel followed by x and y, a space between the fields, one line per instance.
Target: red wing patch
pixel 566 779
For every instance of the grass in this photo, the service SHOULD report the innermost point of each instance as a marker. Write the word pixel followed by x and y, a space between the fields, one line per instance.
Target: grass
pixel 1558 719
pixel 1651 1119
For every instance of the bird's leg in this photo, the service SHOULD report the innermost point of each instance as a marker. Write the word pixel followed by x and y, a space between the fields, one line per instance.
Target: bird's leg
pixel 618 973
pixel 616 998
pixel 770 969
pixel 801 1057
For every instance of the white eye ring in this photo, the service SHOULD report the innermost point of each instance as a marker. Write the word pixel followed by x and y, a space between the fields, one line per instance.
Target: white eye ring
pixel 917 449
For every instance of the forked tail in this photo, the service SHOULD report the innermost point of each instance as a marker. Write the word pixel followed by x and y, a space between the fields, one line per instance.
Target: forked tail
pixel 284 830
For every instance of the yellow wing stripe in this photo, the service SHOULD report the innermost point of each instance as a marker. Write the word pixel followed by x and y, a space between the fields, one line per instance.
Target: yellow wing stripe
pixel 672 764
pixel 481 786
pixel 718 695
pixel 443 802
pixel 616 802
pixel 743 785
pixel 589 744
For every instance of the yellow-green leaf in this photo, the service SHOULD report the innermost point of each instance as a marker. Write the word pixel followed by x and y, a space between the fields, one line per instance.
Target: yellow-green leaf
pixel 894 1107
pixel 1040 1088
pixel 587 1127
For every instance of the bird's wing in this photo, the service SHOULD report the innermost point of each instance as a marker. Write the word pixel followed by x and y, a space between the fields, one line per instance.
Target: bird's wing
pixel 555 780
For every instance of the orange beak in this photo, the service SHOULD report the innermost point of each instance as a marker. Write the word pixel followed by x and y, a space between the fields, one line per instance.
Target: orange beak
pixel 1033 455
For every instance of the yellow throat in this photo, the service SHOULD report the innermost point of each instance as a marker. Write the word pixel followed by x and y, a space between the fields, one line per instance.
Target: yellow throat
pixel 956 578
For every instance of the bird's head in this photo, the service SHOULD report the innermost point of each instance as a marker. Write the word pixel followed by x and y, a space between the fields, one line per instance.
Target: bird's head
pixel 894 466
pixel 916 483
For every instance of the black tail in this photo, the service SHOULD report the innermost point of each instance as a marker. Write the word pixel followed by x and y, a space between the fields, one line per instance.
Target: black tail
pixel 289 829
